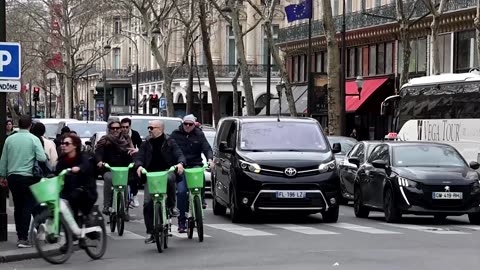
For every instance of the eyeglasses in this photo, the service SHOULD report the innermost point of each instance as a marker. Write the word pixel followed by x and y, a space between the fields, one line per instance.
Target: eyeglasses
pixel 152 128
pixel 126 127
pixel 115 128
pixel 66 143
pixel 188 124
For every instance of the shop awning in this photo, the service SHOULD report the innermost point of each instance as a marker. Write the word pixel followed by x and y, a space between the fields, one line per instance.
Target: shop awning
pixel 352 103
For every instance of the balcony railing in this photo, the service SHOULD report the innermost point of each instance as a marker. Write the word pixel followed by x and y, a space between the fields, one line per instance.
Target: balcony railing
pixel 221 71
pixel 111 74
pixel 358 20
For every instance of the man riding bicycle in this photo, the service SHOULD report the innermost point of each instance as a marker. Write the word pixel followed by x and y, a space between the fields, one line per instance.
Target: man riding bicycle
pixel 158 153
pixel 193 143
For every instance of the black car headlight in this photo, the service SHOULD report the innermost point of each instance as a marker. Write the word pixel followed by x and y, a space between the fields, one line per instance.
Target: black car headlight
pixel 327 167
pixel 404 182
pixel 249 166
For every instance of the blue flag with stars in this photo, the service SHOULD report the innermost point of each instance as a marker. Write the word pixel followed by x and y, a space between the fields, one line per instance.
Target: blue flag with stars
pixel 302 10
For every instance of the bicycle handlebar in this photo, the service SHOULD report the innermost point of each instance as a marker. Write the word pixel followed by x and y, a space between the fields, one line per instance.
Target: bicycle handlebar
pixel 108 166
pixel 173 168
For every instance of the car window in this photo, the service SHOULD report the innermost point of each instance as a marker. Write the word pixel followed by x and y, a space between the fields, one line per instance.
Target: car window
pixel 384 154
pixel 86 130
pixel 232 136
pixel 427 156
pixel 223 132
pixel 346 143
pixel 360 154
pixel 282 136
pixel 353 151
pixel 375 153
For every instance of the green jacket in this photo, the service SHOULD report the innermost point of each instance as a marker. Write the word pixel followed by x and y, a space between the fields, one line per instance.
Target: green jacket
pixel 19 153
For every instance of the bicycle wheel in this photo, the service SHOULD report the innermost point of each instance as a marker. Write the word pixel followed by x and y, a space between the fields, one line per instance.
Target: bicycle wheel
pixel 120 214
pixel 198 217
pixel 59 251
pixel 190 227
pixel 158 231
pixel 96 251
pixel 113 222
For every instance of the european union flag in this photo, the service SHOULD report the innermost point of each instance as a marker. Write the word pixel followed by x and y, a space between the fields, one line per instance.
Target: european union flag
pixel 303 10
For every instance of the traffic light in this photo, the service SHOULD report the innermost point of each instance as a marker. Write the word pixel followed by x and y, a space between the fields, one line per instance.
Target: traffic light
pixel 154 102
pixel 243 102
pixel 36 94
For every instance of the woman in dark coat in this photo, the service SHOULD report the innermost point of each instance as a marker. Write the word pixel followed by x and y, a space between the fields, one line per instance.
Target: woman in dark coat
pixel 80 188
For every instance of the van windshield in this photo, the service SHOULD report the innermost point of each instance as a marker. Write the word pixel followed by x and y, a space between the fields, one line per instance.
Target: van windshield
pixel 141 125
pixel 282 136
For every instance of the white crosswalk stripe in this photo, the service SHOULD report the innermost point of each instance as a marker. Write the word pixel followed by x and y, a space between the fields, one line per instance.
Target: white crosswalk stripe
pixel 184 235
pixel 469 227
pixel 428 229
pixel 127 235
pixel 302 229
pixel 359 228
pixel 240 230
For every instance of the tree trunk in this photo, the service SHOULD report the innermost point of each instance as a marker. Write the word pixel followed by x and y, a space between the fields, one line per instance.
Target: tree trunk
pixel 241 58
pixel 283 71
pixel 333 70
pixel 477 27
pixel 407 50
pixel 208 55
pixel 235 92
pixel 189 107
pixel 435 25
pixel 60 108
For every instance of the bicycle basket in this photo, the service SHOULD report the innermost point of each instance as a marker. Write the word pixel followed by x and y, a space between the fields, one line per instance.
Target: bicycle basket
pixel 194 177
pixel 157 182
pixel 119 175
pixel 48 189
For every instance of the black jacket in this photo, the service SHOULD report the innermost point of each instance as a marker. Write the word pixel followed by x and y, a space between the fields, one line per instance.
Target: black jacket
pixel 136 139
pixel 170 151
pixel 193 144
pixel 84 179
pixel 113 155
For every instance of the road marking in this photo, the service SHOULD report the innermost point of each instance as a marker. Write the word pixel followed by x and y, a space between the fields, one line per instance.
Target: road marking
pixel 301 229
pixel 244 231
pixel 428 229
pixel 469 227
pixel 127 235
pixel 359 228
pixel 184 235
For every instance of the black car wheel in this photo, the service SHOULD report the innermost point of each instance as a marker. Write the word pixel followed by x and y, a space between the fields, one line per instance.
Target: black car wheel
pixel 236 214
pixel 474 218
pixel 360 210
pixel 392 213
pixel 331 216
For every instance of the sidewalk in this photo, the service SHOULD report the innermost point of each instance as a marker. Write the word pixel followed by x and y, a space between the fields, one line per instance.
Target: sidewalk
pixel 8 250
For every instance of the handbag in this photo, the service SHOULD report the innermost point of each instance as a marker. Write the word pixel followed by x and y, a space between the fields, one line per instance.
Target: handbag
pixel 41 169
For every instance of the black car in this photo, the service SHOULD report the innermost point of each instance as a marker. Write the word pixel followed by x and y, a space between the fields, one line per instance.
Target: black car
pixel 265 164
pixel 348 167
pixel 347 143
pixel 417 178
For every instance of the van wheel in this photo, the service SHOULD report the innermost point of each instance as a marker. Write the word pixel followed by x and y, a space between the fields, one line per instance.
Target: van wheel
pixel 235 214
pixel 218 209
pixel 360 210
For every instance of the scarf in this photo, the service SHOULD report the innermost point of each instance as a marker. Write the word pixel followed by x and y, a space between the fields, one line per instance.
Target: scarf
pixel 123 141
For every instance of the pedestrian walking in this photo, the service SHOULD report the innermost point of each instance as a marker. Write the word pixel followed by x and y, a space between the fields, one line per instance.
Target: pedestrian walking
pixel 38 129
pixel 16 164
pixel 9 128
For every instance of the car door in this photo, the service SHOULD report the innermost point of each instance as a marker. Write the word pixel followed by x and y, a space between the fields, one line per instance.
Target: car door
pixel 346 168
pixel 366 176
pixel 378 176
pixel 229 164
pixel 220 170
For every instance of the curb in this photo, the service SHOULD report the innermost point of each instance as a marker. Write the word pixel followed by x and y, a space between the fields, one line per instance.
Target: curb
pixel 22 254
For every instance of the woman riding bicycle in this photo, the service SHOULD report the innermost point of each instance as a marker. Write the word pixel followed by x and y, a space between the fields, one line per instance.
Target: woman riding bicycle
pixel 80 187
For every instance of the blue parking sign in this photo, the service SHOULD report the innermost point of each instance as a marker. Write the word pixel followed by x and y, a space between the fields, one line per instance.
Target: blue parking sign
pixel 10 61
pixel 163 103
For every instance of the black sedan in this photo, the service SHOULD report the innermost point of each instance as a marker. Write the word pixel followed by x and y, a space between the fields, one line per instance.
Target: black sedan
pixel 346 144
pixel 348 167
pixel 417 178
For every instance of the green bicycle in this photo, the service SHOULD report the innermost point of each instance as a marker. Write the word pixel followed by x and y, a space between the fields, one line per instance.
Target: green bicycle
pixel 119 186
pixel 56 223
pixel 194 178
pixel 157 187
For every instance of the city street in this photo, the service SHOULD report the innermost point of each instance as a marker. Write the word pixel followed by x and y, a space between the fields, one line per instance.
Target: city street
pixel 292 242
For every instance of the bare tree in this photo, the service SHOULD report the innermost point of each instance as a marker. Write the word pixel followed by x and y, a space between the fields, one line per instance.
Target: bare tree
pixel 267 11
pixel 435 26
pixel 477 27
pixel 333 69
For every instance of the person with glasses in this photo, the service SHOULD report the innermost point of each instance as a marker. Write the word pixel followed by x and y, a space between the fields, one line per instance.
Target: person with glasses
pixel 191 140
pixel 127 129
pixel 158 153
pixel 116 149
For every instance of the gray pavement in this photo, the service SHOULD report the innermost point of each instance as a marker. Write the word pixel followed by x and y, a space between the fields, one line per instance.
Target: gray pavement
pixel 289 242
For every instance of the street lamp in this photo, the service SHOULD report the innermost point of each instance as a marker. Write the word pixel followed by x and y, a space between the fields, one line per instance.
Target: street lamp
pixel 359 82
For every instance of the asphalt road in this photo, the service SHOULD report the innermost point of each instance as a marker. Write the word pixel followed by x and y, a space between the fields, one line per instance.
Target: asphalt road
pixel 289 242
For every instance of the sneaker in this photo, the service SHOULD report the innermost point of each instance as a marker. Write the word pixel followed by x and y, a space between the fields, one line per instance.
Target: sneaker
pixel 204 205
pixel 174 212
pixel 182 230
pixel 23 244
pixel 150 239
pixel 135 202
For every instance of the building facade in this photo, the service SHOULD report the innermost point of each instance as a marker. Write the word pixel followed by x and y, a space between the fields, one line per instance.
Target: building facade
pixel 375 53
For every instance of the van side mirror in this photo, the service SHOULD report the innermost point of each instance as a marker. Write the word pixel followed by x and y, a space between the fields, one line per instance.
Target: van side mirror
pixel 336 148
pixel 380 164
pixel 355 161
pixel 474 165
pixel 222 147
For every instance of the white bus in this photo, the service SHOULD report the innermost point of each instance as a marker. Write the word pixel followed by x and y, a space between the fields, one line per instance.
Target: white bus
pixel 443 108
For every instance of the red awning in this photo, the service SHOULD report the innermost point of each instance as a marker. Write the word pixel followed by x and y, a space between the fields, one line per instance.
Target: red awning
pixel 352 103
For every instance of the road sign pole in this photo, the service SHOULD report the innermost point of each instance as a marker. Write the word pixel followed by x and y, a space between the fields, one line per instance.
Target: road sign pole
pixel 3 119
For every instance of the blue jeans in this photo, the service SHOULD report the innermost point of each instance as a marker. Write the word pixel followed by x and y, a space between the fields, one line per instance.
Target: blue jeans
pixel 182 199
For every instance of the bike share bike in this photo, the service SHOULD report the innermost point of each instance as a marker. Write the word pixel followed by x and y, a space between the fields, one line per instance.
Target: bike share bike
pixel 120 191
pixel 194 178
pixel 56 222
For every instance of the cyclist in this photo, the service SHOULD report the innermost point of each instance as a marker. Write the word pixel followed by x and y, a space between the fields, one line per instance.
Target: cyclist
pixel 80 187
pixel 191 140
pixel 158 153
pixel 136 141
pixel 115 149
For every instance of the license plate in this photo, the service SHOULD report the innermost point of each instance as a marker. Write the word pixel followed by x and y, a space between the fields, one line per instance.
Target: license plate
pixel 291 194
pixel 447 195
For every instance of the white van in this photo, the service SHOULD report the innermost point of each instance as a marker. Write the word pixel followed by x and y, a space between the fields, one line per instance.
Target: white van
pixel 140 123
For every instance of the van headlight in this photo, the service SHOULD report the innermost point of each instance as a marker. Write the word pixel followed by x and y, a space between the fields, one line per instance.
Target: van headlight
pixel 248 166
pixel 327 167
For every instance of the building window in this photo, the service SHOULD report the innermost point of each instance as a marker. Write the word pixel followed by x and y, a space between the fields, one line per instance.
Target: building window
pixel 466 54
pixel 359 69
pixel 232 50
pixel 418 56
pixel 295 69
pixel 351 62
pixel 336 7
pixel 348 7
pixel 372 63
pixel 117 25
pixel 389 58
pixel 378 3
pixel 381 59
pixel 302 72
pixel 116 58
pixel 318 62
pixel 445 52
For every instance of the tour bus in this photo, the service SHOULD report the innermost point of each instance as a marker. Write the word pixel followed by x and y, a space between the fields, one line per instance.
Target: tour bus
pixel 441 108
